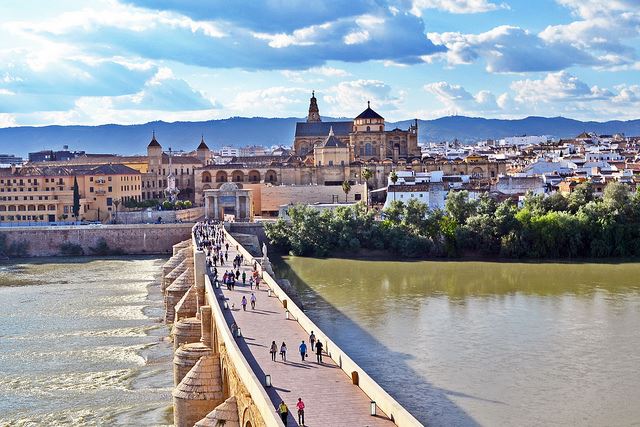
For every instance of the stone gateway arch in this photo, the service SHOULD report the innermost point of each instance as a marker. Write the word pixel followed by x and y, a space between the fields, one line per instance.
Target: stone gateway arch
pixel 229 199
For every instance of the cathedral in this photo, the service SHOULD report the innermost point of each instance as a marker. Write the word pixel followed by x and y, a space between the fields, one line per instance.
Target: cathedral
pixel 362 139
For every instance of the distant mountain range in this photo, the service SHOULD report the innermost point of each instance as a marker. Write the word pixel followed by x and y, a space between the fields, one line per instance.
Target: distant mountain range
pixel 241 131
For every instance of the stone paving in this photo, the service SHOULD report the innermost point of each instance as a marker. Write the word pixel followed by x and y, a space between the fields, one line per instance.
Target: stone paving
pixel 329 396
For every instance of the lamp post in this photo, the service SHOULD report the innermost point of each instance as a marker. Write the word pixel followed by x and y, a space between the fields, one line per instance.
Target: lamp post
pixel 226 305
pixel 373 408
pixel 267 380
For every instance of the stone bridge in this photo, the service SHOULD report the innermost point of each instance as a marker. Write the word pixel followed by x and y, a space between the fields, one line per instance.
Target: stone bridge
pixel 222 379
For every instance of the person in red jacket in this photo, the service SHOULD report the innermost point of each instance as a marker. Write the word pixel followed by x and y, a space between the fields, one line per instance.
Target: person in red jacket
pixel 300 406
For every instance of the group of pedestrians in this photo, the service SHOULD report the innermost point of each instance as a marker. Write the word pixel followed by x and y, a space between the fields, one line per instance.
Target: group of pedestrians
pixel 211 239
pixel 315 345
pixel 283 410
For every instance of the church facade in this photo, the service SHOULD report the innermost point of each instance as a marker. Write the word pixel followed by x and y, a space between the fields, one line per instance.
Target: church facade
pixel 365 137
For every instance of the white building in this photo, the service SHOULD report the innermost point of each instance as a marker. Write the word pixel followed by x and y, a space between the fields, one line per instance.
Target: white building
pixel 524 140
pixel 430 188
pixel 229 152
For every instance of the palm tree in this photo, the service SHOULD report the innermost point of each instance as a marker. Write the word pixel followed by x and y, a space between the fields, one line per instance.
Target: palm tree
pixel 346 187
pixel 116 203
pixel 366 175
pixel 394 178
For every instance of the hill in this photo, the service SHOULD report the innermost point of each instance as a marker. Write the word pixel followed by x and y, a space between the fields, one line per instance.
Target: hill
pixel 240 131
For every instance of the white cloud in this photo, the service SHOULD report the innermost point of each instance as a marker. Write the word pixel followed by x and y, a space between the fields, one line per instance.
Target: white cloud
pixel 7 120
pixel 455 6
pixel 116 15
pixel 314 74
pixel 507 49
pixel 269 102
pixel 446 92
pixel 556 87
pixel 556 94
pixel 349 98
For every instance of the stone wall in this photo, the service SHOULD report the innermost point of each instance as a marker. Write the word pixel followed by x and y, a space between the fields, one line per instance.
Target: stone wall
pixel 151 216
pixel 130 239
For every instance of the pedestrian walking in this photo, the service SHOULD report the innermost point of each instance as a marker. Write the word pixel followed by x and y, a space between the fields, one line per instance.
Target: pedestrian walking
pixel 312 341
pixel 284 412
pixel 319 352
pixel 273 350
pixel 244 303
pixel 244 278
pixel 234 329
pixel 253 301
pixel 300 406
pixel 303 350
pixel 283 352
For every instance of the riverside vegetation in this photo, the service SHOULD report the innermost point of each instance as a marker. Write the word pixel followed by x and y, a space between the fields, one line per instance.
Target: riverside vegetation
pixel 556 226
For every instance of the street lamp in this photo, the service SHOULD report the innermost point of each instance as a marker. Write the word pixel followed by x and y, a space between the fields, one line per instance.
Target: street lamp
pixel 226 305
pixel 267 380
pixel 373 408
pixel 238 332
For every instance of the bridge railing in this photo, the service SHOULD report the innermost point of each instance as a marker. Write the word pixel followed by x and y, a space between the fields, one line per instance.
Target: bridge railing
pixel 394 410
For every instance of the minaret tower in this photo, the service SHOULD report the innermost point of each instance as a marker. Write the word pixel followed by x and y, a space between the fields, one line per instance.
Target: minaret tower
pixel 314 112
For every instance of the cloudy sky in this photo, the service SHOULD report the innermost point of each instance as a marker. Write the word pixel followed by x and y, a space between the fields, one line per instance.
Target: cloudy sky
pixel 132 61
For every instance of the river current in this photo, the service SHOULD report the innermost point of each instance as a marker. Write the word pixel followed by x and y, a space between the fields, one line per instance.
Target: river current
pixel 82 343
pixel 481 343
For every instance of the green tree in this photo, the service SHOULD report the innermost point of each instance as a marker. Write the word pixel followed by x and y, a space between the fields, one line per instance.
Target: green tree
pixel 459 207
pixel 580 196
pixel 617 195
pixel 346 187
pixel 76 198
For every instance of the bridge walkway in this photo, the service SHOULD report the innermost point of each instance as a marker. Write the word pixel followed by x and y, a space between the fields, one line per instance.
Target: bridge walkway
pixel 328 393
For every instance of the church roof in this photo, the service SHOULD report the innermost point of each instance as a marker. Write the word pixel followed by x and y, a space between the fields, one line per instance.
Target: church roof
pixel 369 113
pixel 321 129
pixel 154 142
pixel 332 141
pixel 203 145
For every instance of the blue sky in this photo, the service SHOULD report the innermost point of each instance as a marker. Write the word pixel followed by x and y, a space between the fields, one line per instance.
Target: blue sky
pixel 133 61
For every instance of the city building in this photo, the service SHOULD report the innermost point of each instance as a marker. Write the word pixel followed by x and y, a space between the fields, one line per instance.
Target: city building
pixel 10 159
pixel 53 156
pixel 45 193
pixel 365 136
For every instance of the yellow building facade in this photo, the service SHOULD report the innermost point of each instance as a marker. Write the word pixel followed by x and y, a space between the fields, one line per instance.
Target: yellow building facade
pixel 45 194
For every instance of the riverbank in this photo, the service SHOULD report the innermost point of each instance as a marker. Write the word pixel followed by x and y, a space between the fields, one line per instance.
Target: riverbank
pixel 132 239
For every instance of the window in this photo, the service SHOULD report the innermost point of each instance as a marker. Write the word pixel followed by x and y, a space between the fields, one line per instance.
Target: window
pixel 90 179
pixel 110 189
pixel 90 189
pixel 109 201
pixel 330 162
pixel 109 179
pixel 358 196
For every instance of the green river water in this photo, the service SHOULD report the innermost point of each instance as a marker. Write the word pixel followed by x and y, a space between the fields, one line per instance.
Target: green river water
pixel 482 343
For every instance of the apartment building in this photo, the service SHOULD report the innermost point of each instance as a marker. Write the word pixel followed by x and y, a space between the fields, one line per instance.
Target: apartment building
pixel 45 193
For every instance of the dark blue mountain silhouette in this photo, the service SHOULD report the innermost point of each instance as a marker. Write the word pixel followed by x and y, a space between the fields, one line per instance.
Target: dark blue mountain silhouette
pixel 240 131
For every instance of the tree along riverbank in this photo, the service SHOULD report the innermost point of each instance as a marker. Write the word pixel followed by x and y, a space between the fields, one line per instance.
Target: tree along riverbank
pixel 580 225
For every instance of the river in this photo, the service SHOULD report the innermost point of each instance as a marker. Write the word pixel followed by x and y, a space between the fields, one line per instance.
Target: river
pixel 82 343
pixel 482 343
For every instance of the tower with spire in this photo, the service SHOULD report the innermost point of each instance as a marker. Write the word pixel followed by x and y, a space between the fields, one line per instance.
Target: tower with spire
pixel 314 112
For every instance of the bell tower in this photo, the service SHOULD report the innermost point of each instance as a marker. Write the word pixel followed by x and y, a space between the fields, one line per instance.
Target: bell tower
pixel 314 112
